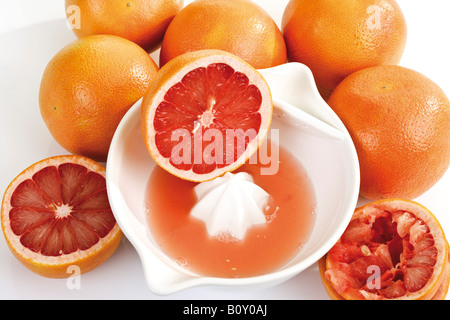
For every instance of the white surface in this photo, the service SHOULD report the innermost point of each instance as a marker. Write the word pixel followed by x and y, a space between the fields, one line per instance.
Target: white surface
pixel 31 32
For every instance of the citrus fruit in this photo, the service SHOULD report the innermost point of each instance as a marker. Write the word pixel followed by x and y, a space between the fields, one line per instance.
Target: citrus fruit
pixel 87 88
pixel 143 22
pixel 205 114
pixel 399 121
pixel 238 26
pixel 56 214
pixel 337 38
pixel 391 249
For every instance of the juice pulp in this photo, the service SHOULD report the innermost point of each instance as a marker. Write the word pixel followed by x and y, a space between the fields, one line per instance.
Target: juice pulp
pixel 264 248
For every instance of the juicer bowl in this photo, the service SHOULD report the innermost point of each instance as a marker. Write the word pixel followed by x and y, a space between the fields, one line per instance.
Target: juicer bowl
pixel 308 128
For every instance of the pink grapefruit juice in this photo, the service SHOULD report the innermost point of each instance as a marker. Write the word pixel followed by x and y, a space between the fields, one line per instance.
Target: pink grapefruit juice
pixel 265 247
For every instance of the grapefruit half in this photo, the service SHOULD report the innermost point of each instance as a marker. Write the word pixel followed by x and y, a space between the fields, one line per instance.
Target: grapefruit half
pixel 56 214
pixel 205 114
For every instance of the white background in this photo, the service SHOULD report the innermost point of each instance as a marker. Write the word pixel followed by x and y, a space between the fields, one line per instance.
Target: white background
pixel 31 32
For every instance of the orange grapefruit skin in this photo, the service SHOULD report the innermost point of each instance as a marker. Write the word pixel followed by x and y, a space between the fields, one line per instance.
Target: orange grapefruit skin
pixel 240 27
pixel 441 293
pixel 60 269
pixel 337 38
pixel 88 87
pixel 399 121
pixel 143 22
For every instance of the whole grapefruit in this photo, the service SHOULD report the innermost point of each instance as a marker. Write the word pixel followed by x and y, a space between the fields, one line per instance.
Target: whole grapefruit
pixel 337 38
pixel 88 87
pixel 399 121
pixel 238 26
pixel 143 22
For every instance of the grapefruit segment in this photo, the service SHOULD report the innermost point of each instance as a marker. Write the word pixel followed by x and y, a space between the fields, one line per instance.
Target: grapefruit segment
pixel 391 249
pixel 56 213
pixel 206 113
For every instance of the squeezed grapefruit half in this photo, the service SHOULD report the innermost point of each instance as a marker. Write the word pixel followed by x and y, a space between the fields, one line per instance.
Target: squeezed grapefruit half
pixel 391 249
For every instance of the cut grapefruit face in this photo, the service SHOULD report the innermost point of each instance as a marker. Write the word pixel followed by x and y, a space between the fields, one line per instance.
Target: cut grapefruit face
pixel 56 214
pixel 391 249
pixel 205 114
